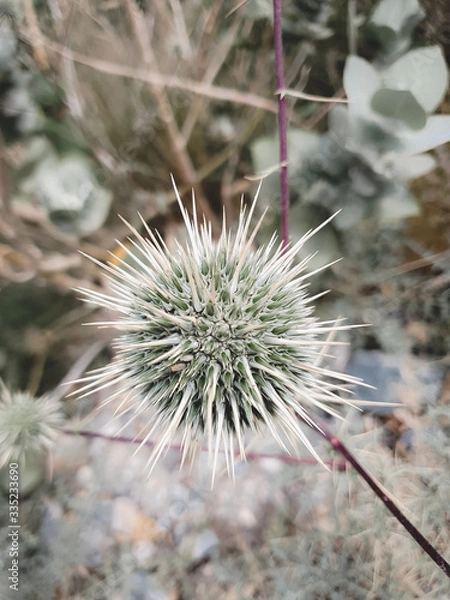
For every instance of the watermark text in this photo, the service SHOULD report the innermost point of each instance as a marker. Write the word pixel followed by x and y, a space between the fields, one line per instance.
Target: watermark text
pixel 14 527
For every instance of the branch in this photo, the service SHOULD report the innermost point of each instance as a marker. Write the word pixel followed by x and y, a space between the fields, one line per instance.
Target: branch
pixel 160 80
pixel 175 138
pixel 35 35
pixel 282 120
pixel 310 97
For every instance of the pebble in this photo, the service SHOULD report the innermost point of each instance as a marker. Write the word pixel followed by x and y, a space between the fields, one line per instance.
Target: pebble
pixel 197 547
pixel 130 524
pixel 393 378
pixel 85 476
pixel 144 554
pixel 51 522
pixel 97 544
pixel 165 517
pixel 144 587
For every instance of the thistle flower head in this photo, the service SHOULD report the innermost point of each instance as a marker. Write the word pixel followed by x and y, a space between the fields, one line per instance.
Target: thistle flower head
pixel 27 424
pixel 215 339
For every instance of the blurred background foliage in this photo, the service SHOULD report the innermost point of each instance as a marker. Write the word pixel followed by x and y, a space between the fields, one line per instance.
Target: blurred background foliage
pixel 101 99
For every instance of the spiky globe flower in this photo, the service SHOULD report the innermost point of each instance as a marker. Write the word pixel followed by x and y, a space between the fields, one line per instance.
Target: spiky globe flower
pixel 28 425
pixel 215 339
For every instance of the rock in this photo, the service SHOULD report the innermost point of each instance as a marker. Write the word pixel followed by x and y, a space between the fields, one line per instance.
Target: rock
pixel 206 546
pixel 145 587
pixel 97 543
pixel 85 477
pixel 197 547
pixel 103 513
pixel 393 378
pixel 129 524
pixel 51 522
pixel 144 554
pixel 71 451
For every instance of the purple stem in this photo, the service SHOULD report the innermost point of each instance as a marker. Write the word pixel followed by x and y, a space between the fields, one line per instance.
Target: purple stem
pixel 390 505
pixel 340 465
pixel 284 187
pixel 282 128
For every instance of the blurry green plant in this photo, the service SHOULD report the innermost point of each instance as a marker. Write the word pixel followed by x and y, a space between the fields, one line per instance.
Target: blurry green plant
pixel 28 428
pixel 376 144
pixel 392 24
pixel 55 171
pixel 65 186
pixel 302 19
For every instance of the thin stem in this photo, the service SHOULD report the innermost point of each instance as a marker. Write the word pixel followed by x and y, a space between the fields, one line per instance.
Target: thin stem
pixel 219 52
pixel 314 422
pixel 376 487
pixel 340 465
pixel 160 80
pixel 282 120
pixel 35 35
pixel 174 136
pixel 311 97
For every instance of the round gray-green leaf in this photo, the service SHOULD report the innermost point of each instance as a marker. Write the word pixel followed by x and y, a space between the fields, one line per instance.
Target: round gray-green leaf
pixel 435 133
pixel 395 14
pixel 361 81
pixel 423 72
pixel 400 105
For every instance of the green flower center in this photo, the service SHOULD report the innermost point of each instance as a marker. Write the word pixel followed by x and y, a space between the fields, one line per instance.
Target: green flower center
pixel 208 335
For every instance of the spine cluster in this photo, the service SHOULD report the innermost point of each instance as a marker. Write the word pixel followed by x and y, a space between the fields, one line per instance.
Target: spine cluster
pixel 215 338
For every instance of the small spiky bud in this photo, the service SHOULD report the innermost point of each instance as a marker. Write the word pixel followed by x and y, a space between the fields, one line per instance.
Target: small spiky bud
pixel 27 425
pixel 217 338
